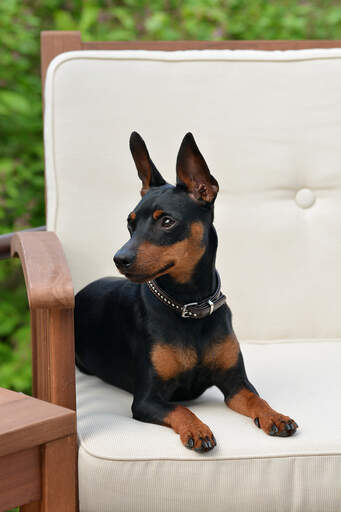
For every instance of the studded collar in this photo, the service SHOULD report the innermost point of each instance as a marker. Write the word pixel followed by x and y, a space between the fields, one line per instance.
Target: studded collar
pixel 193 310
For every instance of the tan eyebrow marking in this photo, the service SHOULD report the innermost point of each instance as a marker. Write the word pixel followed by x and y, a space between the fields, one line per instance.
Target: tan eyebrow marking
pixel 157 214
pixel 132 216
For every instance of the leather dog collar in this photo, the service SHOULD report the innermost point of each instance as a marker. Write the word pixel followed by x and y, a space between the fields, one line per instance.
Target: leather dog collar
pixel 195 310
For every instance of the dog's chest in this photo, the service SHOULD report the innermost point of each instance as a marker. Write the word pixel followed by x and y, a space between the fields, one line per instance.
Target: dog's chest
pixel 170 361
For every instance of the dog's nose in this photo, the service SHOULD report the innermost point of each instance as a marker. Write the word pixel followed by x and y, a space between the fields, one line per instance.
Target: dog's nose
pixel 123 260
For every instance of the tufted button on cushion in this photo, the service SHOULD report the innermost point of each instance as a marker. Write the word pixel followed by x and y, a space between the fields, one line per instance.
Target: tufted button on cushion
pixel 305 198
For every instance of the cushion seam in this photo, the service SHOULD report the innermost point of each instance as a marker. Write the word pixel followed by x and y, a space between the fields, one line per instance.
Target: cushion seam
pixel 201 459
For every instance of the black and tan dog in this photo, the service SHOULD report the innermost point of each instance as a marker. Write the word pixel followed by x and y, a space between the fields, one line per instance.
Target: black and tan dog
pixel 165 333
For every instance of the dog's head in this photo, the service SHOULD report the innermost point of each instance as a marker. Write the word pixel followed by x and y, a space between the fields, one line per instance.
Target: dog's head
pixel 169 227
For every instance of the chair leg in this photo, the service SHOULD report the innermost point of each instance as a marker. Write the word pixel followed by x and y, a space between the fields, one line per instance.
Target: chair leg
pixel 59 478
pixel 59 475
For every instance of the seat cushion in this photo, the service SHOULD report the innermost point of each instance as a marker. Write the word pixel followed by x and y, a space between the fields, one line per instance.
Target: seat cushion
pixel 126 465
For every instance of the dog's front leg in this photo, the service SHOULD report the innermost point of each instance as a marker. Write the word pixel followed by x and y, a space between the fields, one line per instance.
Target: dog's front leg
pixel 249 403
pixel 194 434
pixel 242 397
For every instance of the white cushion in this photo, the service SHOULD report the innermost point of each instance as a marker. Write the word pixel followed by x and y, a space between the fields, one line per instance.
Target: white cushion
pixel 126 465
pixel 269 125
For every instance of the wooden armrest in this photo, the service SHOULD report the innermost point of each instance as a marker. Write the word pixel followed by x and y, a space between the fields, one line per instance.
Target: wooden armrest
pixel 51 299
pixel 47 276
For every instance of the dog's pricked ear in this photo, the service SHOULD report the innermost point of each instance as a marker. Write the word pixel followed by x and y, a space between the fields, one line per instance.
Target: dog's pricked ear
pixel 192 171
pixel 148 173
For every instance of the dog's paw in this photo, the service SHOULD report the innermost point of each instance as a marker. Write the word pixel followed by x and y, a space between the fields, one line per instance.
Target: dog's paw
pixel 198 438
pixel 276 425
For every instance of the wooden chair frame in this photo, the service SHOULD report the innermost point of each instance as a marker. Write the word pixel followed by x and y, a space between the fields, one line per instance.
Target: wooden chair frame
pixel 47 277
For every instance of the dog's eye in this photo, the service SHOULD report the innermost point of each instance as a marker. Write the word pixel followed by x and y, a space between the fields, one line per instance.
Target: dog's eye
pixel 167 222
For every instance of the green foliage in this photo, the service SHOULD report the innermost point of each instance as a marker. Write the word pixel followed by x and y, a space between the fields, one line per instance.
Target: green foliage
pixel 21 150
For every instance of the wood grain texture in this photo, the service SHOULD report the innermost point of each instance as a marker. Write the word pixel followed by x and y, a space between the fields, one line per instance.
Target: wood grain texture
pixel 47 276
pixel 212 45
pixel 51 299
pixel 28 429
pixel 34 506
pixel 20 478
pixel 53 356
pixel 27 422
pixel 7 396
pixel 59 487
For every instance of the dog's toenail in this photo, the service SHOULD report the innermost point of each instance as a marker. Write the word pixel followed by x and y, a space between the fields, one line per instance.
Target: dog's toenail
pixel 190 442
pixel 208 442
pixel 256 420
pixel 203 442
pixel 274 430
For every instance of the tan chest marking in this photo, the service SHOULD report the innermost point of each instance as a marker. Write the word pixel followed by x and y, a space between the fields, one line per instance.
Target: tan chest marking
pixel 169 361
pixel 223 354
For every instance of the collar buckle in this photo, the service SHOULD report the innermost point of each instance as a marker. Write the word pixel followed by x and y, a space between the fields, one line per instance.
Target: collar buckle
pixel 187 314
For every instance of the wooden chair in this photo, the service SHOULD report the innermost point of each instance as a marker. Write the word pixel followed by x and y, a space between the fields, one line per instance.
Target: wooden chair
pixel 49 283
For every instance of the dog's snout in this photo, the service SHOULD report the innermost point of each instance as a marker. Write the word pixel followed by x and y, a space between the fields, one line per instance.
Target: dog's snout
pixel 124 259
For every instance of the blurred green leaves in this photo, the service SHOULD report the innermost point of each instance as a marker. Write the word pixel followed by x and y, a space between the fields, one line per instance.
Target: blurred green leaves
pixel 21 147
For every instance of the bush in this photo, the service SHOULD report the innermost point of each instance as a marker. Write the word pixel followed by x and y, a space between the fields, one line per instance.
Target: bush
pixel 21 151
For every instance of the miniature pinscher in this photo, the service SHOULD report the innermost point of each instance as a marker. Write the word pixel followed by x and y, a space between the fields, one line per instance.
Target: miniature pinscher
pixel 165 333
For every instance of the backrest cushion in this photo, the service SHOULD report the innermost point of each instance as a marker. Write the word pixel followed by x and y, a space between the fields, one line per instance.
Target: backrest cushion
pixel 269 126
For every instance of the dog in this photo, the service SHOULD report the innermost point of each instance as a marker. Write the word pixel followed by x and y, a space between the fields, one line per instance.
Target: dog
pixel 164 332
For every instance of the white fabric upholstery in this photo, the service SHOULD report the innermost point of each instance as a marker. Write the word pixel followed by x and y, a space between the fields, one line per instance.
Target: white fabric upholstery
pixel 268 123
pixel 126 465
